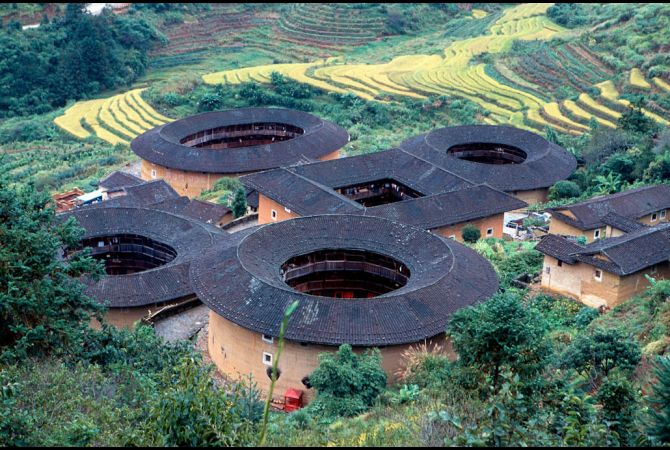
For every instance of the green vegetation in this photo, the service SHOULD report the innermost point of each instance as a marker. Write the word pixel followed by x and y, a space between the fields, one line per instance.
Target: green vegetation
pixel 74 56
pixel 470 233
pixel 600 378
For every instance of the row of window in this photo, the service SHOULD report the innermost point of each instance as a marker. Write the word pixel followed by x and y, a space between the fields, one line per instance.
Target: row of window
pixel 654 216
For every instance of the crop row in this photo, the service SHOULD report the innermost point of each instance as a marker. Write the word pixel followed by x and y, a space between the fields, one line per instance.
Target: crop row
pixel 117 119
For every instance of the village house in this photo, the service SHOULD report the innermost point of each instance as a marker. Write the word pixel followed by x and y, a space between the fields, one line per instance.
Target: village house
pixel 608 271
pixel 612 215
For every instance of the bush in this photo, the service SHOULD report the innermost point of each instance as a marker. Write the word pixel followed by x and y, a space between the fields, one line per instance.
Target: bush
pixel 347 384
pixel 500 333
pixel 564 189
pixel 602 351
pixel 471 233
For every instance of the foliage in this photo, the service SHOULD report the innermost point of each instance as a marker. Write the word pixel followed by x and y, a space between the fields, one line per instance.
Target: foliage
pixel 559 312
pixel 564 189
pixel 633 119
pixel 620 404
pixel 470 233
pixel 659 429
pixel 599 352
pixel 192 411
pixel 569 15
pixel 240 202
pixel 75 56
pixel 347 384
pixel 500 334
pixel 42 305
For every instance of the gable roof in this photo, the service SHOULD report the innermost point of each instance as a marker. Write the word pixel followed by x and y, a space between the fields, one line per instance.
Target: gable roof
pixel 447 198
pixel 632 204
pixel 622 255
pixel 117 180
pixel 449 208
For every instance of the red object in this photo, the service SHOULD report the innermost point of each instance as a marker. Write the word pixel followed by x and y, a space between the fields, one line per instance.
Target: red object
pixel 292 400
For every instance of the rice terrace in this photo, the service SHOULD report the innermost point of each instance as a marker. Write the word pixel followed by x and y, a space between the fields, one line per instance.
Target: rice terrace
pixel 335 224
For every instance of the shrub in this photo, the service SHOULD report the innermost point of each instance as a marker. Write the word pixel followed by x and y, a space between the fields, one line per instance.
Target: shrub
pixel 600 352
pixel 471 233
pixel 347 384
pixel 564 189
pixel 500 333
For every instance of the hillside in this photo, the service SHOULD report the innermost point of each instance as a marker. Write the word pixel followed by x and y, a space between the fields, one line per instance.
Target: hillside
pixel 534 368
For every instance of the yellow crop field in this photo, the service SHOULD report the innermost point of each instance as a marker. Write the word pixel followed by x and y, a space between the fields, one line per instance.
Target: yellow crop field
pixel 588 101
pixel 664 85
pixel 637 79
pixel 552 110
pixel 479 13
pixel 116 119
pixel 452 73
pixel 579 112
pixel 609 91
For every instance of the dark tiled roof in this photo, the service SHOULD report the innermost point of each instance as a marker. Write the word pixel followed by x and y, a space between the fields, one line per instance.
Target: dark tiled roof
pixel 449 199
pixel 300 194
pixel 545 163
pixel 161 145
pixel 396 164
pixel 117 180
pixel 620 255
pixel 449 208
pixel 244 283
pixel 252 198
pixel 621 223
pixel 631 204
pixel 148 193
pixel 169 282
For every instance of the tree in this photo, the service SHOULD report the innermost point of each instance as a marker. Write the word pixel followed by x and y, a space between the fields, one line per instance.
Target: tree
pixel 42 305
pixel 470 233
pixel 660 427
pixel 347 384
pixel 240 202
pixel 602 351
pixel 500 333
pixel 192 411
pixel 633 119
pixel 564 189
pixel 619 402
pixel 608 184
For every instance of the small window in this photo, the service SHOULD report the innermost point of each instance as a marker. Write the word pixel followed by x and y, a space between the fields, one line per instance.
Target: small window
pixel 547 269
pixel 560 263
pixel 268 339
pixel 663 214
pixel 654 217
pixel 598 274
pixel 653 269
pixel 153 173
pixel 452 237
pixel 267 359
pixel 287 210
pixel 596 234
pixel 489 232
pixel 101 243
pixel 273 214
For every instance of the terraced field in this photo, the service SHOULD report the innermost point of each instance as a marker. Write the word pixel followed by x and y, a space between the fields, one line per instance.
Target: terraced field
pixel 117 119
pixel 514 98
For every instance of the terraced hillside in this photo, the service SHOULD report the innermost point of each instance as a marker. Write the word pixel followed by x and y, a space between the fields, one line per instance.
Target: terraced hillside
pixel 314 30
pixel 516 96
pixel 116 120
